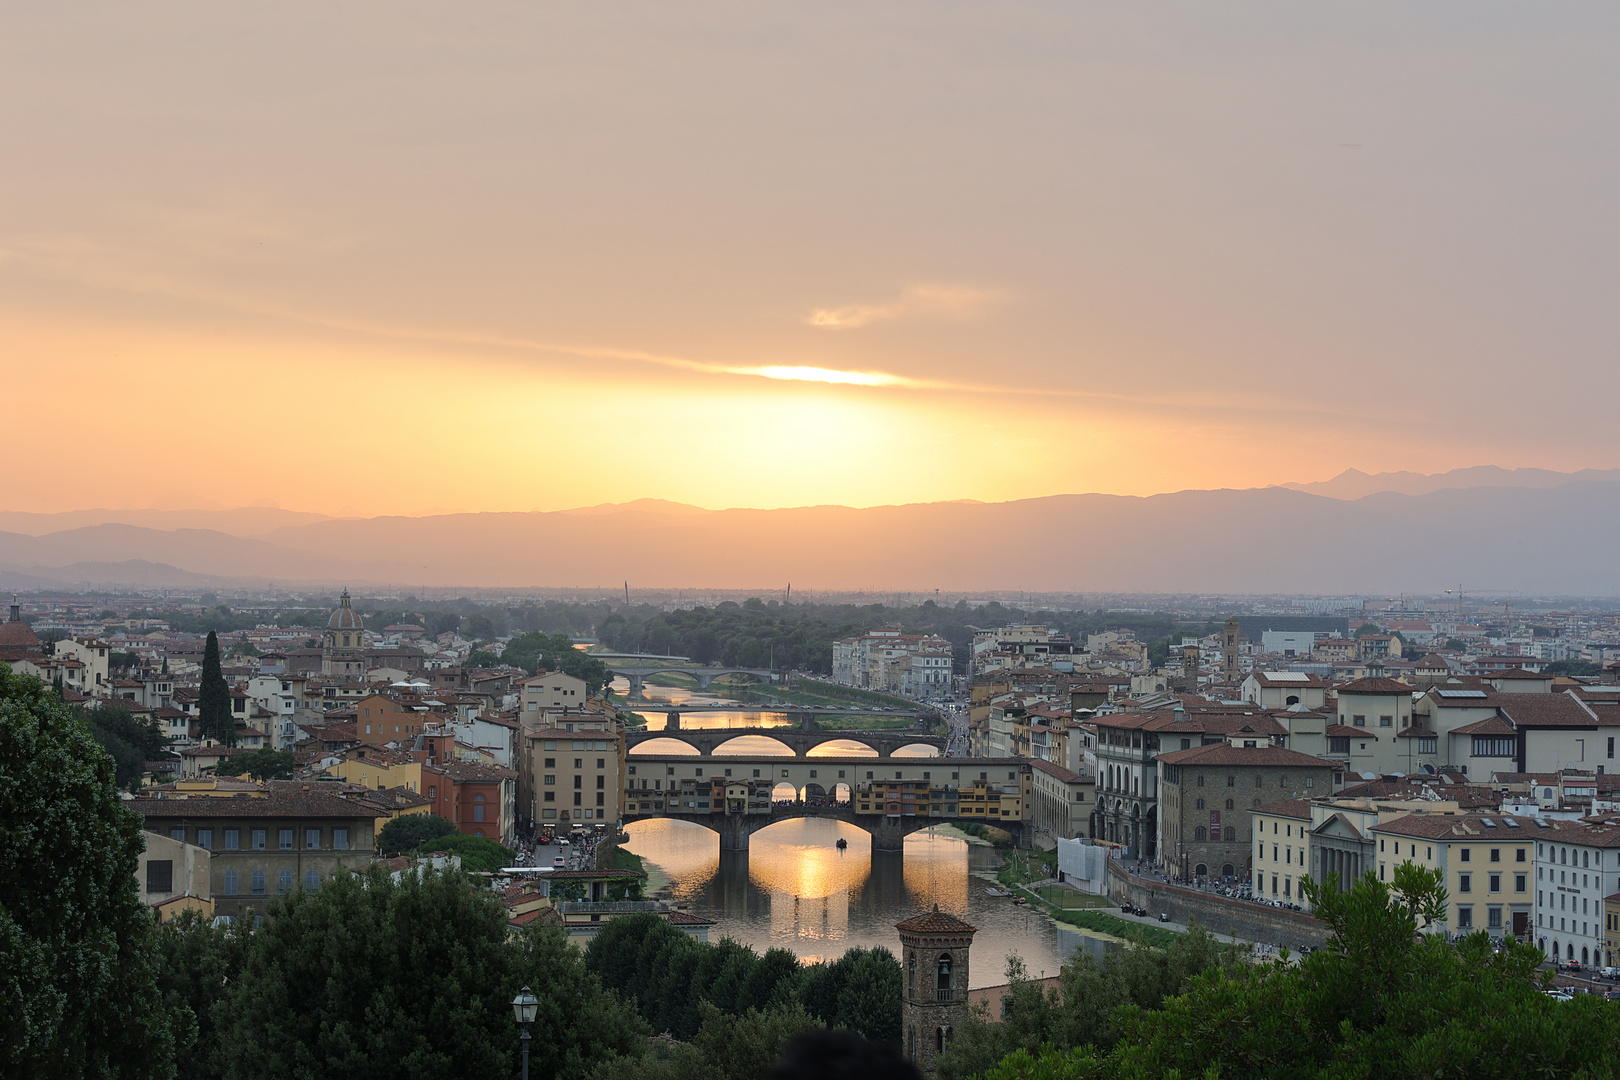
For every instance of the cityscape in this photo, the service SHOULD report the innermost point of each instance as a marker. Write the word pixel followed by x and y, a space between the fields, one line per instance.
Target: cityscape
pixel 719 541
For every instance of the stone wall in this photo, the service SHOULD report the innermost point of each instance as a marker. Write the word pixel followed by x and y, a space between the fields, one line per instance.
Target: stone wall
pixel 1243 919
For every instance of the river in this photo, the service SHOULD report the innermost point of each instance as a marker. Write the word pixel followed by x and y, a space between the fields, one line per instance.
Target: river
pixel 795 889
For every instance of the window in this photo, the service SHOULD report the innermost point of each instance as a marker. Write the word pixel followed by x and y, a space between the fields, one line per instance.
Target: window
pixel 312 880
pixel 1492 746
pixel 258 883
pixel 1361 721
pixel 233 839
pixel 1199 834
pixel 1200 804
pixel 433 791
pixel 1496 854
pixel 1496 883
pixel 1466 852
pixel 551 778
pixel 1200 781
pixel 1465 883
pixel 579 781
pixel 1518 883
pixel 1386 721
pixel 231 883
pixel 478 807
pixel 1428 746
pixel 205 838
pixel 284 881
pixel 340 839
pixel 601 798
pixel 160 876
pixel 551 763
pixel 579 799
pixel 1229 804
pixel 1465 917
pixel 312 839
pixel 258 839
pixel 1231 781
pixel 286 839
pixel 177 834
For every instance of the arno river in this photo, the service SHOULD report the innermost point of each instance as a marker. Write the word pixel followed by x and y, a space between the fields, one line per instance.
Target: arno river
pixel 795 889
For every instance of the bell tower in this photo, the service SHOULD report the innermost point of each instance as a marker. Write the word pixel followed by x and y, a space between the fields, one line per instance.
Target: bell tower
pixel 933 1000
pixel 1229 648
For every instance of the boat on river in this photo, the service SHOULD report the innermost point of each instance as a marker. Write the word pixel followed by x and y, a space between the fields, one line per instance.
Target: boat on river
pixel 842 844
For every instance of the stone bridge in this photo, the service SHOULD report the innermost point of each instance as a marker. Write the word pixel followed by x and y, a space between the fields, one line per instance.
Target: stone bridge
pixel 684 781
pixel 706 740
pixel 704 675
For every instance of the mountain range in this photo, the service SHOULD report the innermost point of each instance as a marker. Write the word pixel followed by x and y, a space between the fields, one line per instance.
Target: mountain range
pixel 1526 533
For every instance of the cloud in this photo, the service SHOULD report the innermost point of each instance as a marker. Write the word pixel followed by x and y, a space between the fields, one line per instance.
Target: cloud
pixel 919 301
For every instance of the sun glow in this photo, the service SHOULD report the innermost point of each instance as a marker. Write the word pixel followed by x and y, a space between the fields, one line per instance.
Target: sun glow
pixel 825 375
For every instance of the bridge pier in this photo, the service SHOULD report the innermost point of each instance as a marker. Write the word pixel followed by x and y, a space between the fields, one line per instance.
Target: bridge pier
pixel 889 835
pixel 734 830
pixel 672 720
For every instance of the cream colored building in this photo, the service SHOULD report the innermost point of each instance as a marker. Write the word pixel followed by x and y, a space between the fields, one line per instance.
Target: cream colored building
pixel 172 871
pixel 574 777
pixel 1487 862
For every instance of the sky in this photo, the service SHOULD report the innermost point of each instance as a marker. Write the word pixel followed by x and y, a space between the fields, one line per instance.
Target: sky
pixel 402 258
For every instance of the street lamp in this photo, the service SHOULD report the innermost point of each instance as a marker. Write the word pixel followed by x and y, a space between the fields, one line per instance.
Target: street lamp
pixel 524 1006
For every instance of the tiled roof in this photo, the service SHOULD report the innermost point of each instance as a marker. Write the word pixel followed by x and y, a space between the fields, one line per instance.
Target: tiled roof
pixel 682 918
pixel 288 798
pixel 1226 754
pixel 935 922
pixel 1545 710
pixel 1472 827
pixel 1375 686
pixel 1057 771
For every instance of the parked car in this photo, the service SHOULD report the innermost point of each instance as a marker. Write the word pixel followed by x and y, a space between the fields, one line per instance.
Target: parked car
pixel 1164 916
pixel 1610 973
pixel 1571 965
pixel 1559 994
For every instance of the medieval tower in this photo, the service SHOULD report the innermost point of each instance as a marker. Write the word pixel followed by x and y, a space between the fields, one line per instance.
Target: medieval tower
pixel 934 958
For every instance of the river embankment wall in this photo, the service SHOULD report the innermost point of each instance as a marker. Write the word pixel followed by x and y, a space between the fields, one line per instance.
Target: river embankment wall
pixel 1242 919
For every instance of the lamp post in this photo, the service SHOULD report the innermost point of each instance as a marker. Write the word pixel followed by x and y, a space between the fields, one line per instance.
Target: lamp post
pixel 524 1006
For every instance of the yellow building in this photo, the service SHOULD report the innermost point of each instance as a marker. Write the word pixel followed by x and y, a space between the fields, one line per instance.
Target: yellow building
pixel 1487 862
pixel 1611 927
pixel 377 768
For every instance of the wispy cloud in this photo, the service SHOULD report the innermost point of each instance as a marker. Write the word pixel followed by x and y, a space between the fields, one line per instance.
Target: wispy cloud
pixel 918 301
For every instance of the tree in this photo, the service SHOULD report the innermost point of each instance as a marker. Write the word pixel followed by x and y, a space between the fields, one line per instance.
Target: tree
pixel 264 764
pixel 1381 999
pixel 214 697
pixel 481 658
pixel 78 979
pixel 477 854
pixel 372 978
pixel 243 647
pixel 859 991
pixel 725 1047
pixel 197 962
pixel 410 830
pixel 1366 628
pixel 130 742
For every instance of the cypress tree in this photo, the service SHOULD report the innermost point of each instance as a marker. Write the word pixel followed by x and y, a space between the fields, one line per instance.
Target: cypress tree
pixel 214 697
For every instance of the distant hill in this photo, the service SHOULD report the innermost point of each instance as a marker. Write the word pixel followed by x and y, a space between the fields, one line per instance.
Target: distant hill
pixel 1540 540
pixel 1355 484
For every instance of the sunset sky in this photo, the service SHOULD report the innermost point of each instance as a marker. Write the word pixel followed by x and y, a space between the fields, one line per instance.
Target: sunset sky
pixel 397 258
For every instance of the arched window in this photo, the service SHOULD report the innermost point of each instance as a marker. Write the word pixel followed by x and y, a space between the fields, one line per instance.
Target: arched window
pixel 1200 870
pixel 284 881
pixel 1199 834
pixel 1586 860
pixel 1200 804
pixel 911 975
pixel 1563 855
pixel 478 808
pixel 1231 835
pixel 1255 803
pixel 939 1040
pixel 1293 699
pixel 943 981
pixel 1228 871
pixel 258 883
pixel 1546 793
pixel 312 880
pixel 911 1038
pixel 231 882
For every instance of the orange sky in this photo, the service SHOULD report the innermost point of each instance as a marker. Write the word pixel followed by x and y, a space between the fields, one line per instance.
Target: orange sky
pixel 394 260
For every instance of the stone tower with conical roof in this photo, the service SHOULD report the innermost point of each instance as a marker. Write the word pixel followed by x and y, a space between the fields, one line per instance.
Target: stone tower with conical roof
pixel 933 995
pixel 343 646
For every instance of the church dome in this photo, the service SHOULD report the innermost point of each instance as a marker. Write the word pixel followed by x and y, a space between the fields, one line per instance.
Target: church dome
pixel 345 617
pixel 16 632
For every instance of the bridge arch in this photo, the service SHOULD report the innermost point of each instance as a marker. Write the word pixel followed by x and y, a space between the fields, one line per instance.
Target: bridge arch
pixel 749 745
pixel 917 749
pixel 843 747
pixel 665 745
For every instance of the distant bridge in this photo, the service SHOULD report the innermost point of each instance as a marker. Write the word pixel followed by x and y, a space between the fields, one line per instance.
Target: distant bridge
pixel 704 674
pixel 941 791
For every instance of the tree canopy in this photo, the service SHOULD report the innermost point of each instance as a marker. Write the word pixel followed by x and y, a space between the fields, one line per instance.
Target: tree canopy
pixel 368 978
pixel 405 832
pixel 533 651
pixel 263 764
pixel 477 853
pixel 78 973
pixel 1382 999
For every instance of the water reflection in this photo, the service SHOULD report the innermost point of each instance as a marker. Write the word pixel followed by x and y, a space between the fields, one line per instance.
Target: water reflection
pixel 795 889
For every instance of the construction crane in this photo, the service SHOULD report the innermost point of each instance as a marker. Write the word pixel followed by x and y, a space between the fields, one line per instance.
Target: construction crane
pixel 1477 592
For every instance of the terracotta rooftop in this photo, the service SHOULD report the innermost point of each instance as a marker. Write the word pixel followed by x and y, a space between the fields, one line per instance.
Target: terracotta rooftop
pixel 935 922
pixel 1226 754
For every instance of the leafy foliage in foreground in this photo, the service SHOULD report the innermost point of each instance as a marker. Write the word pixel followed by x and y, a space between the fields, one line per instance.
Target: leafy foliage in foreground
pixel 1381 1000
pixel 405 832
pixel 78 972
pixel 673 976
